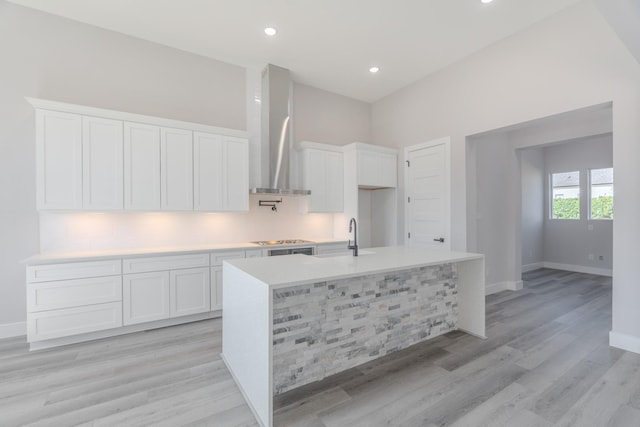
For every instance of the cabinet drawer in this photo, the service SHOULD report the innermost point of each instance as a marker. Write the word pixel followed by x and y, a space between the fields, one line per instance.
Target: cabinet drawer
pixel 73 321
pixel 73 270
pixel 218 257
pixel 73 293
pixel 253 253
pixel 173 262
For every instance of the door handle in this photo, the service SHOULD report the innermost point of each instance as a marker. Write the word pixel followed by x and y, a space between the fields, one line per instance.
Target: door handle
pixel 441 240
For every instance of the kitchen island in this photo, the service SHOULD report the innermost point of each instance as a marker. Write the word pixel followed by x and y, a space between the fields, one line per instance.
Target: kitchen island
pixel 292 320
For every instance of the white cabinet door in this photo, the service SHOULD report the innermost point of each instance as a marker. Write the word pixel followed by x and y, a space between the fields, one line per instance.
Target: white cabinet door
pixel 190 291
pixel 236 174
pixel 388 170
pixel 176 169
pixel 323 174
pixel 334 167
pixel 58 160
pixel 216 288
pixel 102 164
pixel 314 179
pixel 141 167
pixel 145 297
pixel 207 172
pixel 377 170
pixel 221 173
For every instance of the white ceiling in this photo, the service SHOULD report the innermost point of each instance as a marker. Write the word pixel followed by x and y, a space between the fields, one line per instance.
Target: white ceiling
pixel 328 44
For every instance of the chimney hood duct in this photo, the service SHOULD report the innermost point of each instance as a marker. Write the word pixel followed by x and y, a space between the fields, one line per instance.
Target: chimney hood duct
pixel 276 130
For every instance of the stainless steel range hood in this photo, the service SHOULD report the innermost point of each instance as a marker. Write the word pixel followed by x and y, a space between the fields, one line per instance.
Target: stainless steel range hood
pixel 276 130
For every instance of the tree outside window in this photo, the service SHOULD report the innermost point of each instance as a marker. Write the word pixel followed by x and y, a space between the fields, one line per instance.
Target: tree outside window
pixel 601 189
pixel 565 195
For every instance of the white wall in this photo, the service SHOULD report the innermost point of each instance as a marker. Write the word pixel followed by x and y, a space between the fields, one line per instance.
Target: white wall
pixel 533 185
pixel 326 117
pixel 569 242
pixel 493 217
pixel 624 18
pixel 491 186
pixel 567 62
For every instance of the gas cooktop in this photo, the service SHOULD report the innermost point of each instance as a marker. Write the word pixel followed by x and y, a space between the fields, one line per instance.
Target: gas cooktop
pixel 281 242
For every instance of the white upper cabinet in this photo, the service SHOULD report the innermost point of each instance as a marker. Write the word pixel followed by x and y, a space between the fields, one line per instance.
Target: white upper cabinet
pixel 102 164
pixel 58 160
pixel 176 169
pixel 236 174
pixel 221 173
pixel 141 167
pixel 101 160
pixel 376 168
pixel 322 172
pixel 207 171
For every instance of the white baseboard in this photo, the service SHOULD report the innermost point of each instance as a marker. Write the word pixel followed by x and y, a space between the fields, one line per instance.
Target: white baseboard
pixel 9 330
pixel 579 268
pixel 533 266
pixel 624 342
pixel 494 288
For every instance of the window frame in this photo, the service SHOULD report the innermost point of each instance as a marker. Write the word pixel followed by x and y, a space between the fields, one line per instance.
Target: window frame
pixel 551 197
pixel 590 187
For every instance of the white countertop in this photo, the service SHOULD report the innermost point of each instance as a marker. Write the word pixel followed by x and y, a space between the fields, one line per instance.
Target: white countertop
pixel 52 257
pixel 283 271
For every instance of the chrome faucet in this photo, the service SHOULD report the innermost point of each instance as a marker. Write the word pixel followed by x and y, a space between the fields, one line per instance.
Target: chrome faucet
pixel 353 226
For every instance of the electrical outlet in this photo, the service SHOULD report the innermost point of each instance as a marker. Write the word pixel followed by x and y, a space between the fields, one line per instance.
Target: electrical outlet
pixel 591 257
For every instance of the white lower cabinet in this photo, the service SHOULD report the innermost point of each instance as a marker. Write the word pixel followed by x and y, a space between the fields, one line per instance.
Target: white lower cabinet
pixel 82 297
pixel 165 286
pixel 73 293
pixel 52 324
pixel 73 298
pixel 145 297
pixel 216 288
pixel 216 271
pixel 189 291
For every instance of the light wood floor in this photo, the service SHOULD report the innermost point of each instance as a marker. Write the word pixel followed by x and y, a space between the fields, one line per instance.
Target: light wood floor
pixel 546 363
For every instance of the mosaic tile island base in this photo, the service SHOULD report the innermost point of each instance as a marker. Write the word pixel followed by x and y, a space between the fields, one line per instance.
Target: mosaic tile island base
pixel 292 320
pixel 323 328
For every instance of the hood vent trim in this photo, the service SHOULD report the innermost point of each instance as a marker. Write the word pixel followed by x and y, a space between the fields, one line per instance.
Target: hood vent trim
pixel 280 191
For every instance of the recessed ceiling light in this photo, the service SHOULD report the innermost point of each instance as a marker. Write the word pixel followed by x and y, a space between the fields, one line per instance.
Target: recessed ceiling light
pixel 270 31
pixel 374 70
pixel 486 1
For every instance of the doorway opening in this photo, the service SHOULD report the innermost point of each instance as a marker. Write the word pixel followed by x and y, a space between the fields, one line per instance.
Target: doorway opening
pixel 508 192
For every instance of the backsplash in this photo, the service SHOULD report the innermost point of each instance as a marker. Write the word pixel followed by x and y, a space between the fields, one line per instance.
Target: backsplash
pixel 78 231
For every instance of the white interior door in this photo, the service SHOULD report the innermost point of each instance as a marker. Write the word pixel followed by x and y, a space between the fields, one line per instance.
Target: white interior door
pixel 427 191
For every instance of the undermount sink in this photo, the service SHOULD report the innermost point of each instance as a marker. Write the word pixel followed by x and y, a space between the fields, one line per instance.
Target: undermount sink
pixel 345 253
